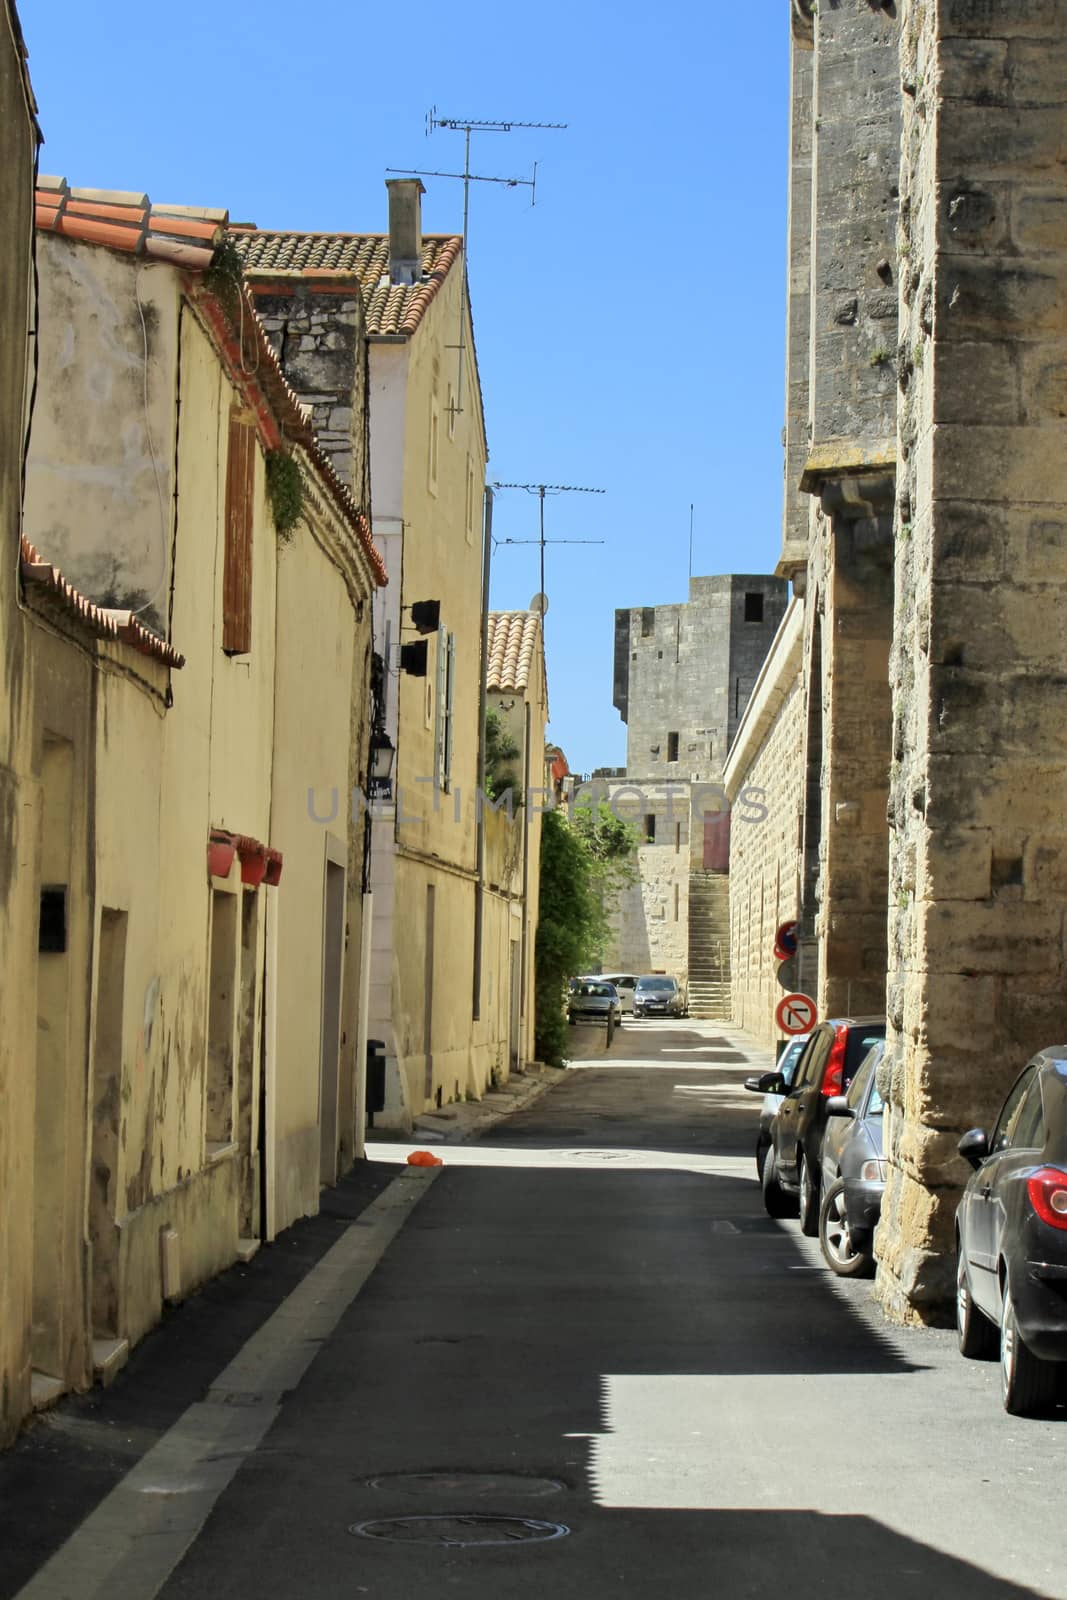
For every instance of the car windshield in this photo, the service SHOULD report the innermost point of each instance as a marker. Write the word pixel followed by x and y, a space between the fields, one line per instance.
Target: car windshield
pixel 787 1063
pixel 602 989
pixel 860 1039
pixel 666 985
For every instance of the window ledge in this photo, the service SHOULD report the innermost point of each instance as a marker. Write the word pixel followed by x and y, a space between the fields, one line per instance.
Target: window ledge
pixel 215 1153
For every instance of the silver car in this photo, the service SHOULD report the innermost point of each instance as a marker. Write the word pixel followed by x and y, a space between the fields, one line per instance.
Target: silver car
pixel 593 1000
pixel 787 1066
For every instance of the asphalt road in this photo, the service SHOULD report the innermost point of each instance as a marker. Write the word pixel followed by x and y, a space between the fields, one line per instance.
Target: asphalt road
pixel 588 1365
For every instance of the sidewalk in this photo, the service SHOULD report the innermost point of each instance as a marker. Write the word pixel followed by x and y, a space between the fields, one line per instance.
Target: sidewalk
pixel 69 1458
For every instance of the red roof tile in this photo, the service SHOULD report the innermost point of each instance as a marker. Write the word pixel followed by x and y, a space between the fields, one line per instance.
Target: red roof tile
pixel 103 621
pixel 331 257
pixel 125 221
pixel 510 647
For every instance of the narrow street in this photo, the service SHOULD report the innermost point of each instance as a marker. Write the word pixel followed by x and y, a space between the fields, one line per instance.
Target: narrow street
pixel 586 1321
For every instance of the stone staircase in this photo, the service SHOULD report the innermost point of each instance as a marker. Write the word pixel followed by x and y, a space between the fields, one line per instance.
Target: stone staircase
pixel 709 945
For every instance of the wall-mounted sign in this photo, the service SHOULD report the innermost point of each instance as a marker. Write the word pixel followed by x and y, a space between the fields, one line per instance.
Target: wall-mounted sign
pixel 795 1014
pixel 785 941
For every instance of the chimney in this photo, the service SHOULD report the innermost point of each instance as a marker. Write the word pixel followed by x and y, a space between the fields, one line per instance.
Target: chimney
pixel 405 229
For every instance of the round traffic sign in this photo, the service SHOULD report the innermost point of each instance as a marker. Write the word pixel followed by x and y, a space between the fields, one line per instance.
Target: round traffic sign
pixel 785 941
pixel 795 1013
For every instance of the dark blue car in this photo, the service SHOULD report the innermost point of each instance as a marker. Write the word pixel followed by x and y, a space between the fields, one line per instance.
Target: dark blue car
pixel 1011 1238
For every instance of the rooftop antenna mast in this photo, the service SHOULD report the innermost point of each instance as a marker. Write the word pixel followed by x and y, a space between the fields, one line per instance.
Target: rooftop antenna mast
pixel 467 126
pixel 540 490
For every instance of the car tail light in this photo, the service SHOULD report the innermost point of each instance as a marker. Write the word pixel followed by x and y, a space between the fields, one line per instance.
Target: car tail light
pixel 873 1172
pixel 1047 1188
pixel 834 1072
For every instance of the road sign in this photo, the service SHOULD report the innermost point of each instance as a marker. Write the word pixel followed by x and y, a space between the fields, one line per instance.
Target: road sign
pixel 795 1014
pixel 787 974
pixel 785 941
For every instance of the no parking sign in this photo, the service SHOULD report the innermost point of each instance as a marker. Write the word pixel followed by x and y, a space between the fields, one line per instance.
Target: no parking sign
pixel 795 1014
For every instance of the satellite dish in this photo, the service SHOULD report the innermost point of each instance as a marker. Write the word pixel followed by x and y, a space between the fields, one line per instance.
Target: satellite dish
pixel 539 603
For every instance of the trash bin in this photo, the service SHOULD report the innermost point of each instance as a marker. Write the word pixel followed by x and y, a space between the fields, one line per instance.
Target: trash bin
pixel 375 1078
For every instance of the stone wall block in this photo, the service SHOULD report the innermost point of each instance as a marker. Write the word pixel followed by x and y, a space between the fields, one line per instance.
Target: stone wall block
pixel 974 216
pixel 957 865
pixel 943 1008
pixel 999 629
pixel 973 542
pixel 997 140
pixel 1044 378
pixel 1024 464
pixel 965 788
pixel 991 937
pixel 977 383
pixel 994 298
pixel 915 1251
pixel 1000 717
pixel 1045 867
pixel 1002 19
pixel 1039 220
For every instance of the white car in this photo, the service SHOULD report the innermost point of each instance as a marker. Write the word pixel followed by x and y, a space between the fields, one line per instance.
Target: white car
pixel 625 983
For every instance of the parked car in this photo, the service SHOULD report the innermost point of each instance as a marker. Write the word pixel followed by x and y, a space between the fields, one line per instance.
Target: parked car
pixel 785 1067
pixel 624 983
pixel 656 996
pixel 593 1000
pixel 853 1172
pixel 1011 1238
pixel 793 1168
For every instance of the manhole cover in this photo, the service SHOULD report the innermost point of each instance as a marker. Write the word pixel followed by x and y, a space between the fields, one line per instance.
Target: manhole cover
pixel 454 1531
pixel 472 1485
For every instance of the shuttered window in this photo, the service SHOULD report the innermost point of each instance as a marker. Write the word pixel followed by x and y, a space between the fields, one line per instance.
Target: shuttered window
pixel 446 689
pixel 237 569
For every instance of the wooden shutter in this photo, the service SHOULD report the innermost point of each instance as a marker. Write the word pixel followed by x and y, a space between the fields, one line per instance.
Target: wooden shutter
pixel 450 706
pixel 237 570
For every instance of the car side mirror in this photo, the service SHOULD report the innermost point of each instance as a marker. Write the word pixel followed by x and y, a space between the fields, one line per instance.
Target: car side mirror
pixel 766 1083
pixel 974 1146
pixel 838 1106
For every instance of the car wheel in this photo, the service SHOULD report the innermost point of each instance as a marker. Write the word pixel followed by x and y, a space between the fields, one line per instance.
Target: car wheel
pixel 1028 1386
pixel 761 1153
pixel 775 1199
pixel 809 1200
pixel 571 1021
pixel 975 1334
pixel 834 1241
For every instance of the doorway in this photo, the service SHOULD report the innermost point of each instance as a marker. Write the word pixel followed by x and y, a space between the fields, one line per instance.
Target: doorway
pixel 107 1103
pixel 333 951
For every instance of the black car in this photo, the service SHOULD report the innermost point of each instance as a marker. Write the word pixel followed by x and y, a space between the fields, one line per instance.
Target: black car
pixel 785 1068
pixel 793 1166
pixel 853 1173
pixel 1011 1238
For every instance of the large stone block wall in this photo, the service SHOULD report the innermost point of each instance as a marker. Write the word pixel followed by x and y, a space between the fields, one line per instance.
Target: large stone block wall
pixel 765 863
pixel 795 506
pixel 978 797
pixel 650 924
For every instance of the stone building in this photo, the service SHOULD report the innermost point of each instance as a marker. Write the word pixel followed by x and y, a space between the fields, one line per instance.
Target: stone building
pixel 924 533
pixel 683 675
pixel 416 374
pixel 187 1081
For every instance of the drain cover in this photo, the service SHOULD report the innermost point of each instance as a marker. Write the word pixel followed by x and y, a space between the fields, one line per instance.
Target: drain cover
pixel 472 1485
pixel 454 1531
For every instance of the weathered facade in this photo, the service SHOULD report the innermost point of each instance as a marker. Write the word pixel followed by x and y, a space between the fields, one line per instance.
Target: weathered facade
pixel 926 191
pixel 188 1088
pixel 430 977
pixel 978 783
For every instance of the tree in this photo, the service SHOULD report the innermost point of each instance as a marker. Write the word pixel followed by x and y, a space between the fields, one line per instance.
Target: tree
pixel 501 752
pixel 584 864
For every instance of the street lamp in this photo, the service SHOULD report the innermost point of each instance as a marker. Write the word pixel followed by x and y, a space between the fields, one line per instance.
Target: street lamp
pixel 381 765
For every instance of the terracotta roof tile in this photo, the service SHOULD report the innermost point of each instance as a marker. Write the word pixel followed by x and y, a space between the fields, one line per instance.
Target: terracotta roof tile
pixel 102 621
pixel 123 220
pixel 391 308
pixel 513 639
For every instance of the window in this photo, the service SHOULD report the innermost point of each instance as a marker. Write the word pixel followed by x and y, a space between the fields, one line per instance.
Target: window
pixel 453 412
pixel 753 607
pixel 676 902
pixel 677 838
pixel 237 561
pixel 52 927
pixel 446 690
pixel 1002 1132
pixel 435 431
pixel 650 827
pixel 672 747
pixel 471 501
pixel 1028 1129
pixel 648 622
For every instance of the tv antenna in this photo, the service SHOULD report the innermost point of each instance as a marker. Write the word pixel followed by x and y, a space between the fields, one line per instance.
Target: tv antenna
pixel 467 126
pixel 540 490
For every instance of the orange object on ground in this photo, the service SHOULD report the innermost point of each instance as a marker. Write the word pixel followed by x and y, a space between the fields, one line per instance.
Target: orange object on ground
pixel 423 1158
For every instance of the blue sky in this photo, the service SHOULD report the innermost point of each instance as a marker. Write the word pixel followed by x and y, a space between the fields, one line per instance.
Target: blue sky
pixel 630 326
